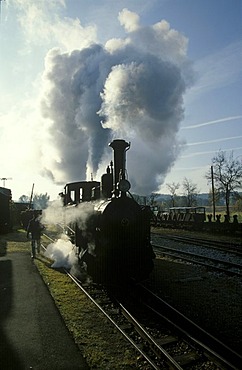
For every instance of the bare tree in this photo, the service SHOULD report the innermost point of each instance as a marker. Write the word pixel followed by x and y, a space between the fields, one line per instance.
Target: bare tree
pixel 216 196
pixel 152 199
pixel 227 175
pixel 24 199
pixel 40 201
pixel 238 205
pixel 139 199
pixel 190 191
pixel 173 188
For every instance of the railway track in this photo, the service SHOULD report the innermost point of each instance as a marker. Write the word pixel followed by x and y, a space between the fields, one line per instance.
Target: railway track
pixel 180 345
pixel 201 346
pixel 215 244
pixel 227 267
pixel 101 299
pixel 217 258
pixel 126 325
pixel 185 346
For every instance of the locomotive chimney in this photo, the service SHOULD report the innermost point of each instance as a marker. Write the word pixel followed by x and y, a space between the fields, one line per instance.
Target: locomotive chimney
pixel 119 147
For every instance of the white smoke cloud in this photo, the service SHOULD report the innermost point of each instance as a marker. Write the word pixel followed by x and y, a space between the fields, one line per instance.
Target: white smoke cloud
pixel 130 88
pixel 41 25
pixel 129 20
pixel 56 214
pixel 62 252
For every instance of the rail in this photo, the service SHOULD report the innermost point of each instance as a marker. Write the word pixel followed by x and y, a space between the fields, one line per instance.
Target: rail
pixel 158 351
pixel 230 246
pixel 155 348
pixel 211 346
pixel 199 260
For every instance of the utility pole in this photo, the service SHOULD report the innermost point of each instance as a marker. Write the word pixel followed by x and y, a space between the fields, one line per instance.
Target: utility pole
pixel 213 193
pixel 31 196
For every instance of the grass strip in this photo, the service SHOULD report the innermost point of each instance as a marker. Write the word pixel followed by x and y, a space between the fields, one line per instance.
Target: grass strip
pixel 101 344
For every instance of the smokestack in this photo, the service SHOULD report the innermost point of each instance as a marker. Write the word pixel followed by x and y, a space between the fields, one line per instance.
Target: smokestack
pixel 119 148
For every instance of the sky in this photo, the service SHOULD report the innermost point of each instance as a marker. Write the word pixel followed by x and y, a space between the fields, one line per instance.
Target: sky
pixel 165 75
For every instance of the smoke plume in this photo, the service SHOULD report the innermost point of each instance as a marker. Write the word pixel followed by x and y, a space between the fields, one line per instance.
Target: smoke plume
pixel 130 88
pixel 62 251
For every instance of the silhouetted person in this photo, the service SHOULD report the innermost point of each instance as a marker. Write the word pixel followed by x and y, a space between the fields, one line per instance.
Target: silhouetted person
pixel 35 228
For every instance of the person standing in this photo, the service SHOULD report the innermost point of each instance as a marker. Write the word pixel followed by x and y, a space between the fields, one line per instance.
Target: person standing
pixel 35 228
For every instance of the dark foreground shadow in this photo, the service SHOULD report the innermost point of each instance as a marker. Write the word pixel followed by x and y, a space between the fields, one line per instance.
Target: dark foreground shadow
pixel 9 359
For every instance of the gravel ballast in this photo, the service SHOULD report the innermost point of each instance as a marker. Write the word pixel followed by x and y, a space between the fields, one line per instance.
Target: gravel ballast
pixel 212 300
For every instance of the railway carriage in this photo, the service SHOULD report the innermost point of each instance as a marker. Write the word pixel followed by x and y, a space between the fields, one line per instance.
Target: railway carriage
pixel 5 210
pixel 181 217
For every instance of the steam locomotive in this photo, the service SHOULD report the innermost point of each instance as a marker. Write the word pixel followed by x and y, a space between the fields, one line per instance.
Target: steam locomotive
pixel 114 241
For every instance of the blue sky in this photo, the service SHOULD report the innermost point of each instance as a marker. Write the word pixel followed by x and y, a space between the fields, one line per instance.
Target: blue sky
pixel 165 75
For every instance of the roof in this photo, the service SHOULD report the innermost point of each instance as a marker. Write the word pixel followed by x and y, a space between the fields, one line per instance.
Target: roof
pixel 5 191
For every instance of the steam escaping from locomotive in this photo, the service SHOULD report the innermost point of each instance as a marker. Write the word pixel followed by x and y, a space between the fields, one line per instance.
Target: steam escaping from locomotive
pixel 62 252
pixel 55 214
pixel 131 87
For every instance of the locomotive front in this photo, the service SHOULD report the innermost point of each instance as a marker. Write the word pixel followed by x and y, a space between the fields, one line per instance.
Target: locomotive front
pixel 118 245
